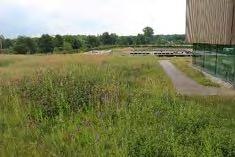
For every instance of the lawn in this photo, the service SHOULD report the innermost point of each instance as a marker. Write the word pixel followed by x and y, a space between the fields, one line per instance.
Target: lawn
pixel 84 105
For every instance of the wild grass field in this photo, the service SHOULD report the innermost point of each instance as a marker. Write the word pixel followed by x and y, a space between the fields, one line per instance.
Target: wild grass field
pixel 84 105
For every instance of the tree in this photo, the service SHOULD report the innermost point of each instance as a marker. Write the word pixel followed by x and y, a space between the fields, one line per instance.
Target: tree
pixel 59 42
pixel 69 38
pixel 67 46
pixel 45 44
pixel 76 44
pixel 108 39
pixel 7 43
pixel 105 38
pixel 125 40
pixel 148 33
pixel 20 46
pixel 31 45
pixel 130 40
pixel 92 41
pixel 24 45
pixel 113 39
pixel 140 39
pixel 1 42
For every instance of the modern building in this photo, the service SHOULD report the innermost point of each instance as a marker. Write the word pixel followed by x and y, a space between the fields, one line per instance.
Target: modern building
pixel 210 27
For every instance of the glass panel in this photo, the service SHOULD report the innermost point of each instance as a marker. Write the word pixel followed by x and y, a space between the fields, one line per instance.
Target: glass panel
pixel 216 59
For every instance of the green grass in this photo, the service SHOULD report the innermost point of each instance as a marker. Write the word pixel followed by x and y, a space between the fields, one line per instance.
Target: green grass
pixel 114 106
pixel 185 65
pixel 5 62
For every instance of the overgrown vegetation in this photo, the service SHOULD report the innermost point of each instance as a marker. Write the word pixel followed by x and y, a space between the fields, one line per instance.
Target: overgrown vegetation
pixel 80 43
pixel 109 106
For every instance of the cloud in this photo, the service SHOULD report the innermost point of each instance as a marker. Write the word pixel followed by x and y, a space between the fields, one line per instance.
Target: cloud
pixel 124 17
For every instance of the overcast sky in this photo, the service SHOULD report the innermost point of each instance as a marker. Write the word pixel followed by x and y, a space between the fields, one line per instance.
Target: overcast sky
pixel 124 17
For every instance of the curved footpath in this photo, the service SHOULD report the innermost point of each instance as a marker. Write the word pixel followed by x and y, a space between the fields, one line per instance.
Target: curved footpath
pixel 186 86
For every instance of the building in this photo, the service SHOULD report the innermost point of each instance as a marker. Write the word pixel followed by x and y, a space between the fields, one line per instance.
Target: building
pixel 210 27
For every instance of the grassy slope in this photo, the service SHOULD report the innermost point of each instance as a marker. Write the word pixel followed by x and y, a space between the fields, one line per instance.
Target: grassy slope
pixel 185 65
pixel 108 106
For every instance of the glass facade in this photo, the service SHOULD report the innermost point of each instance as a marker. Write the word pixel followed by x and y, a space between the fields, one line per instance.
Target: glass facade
pixel 218 60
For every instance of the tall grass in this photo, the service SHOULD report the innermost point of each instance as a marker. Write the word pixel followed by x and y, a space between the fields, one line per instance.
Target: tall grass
pixel 121 106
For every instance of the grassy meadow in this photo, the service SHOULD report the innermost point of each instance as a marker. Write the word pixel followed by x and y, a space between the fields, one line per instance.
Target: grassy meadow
pixel 85 105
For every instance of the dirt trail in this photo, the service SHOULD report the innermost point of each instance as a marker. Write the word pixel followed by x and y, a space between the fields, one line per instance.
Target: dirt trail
pixel 186 86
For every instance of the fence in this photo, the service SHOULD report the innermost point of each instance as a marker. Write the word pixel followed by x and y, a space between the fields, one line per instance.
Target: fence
pixel 216 59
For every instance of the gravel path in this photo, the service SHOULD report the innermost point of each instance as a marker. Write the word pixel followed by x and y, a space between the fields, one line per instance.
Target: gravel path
pixel 186 86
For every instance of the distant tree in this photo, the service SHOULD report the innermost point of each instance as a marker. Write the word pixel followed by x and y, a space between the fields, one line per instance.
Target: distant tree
pixel 105 39
pixel 31 45
pixel 160 40
pixel 126 40
pixel 59 42
pixel 45 44
pixel 20 46
pixel 121 40
pixel 177 39
pixel 1 42
pixel 140 39
pixel 69 38
pixel 169 39
pixel 113 39
pixel 92 41
pixel 67 46
pixel 108 39
pixel 129 40
pixel 148 33
pixel 76 44
pixel 24 45
pixel 7 43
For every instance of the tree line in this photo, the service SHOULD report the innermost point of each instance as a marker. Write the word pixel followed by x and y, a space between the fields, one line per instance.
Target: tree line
pixel 79 43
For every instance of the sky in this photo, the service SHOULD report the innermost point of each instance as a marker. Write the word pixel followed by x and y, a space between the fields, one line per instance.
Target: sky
pixel 124 17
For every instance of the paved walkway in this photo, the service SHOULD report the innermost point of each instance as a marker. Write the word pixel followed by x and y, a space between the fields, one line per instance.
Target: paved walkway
pixel 186 86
